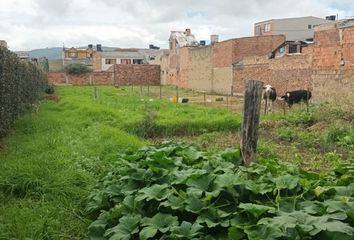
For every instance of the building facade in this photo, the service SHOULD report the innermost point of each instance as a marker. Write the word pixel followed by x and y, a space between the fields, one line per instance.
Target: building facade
pixel 78 55
pixel 102 61
pixel 294 29
pixel 210 68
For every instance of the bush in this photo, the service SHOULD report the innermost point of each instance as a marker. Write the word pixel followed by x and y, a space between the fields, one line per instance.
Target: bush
pixel 21 85
pixel 49 89
pixel 76 69
pixel 342 136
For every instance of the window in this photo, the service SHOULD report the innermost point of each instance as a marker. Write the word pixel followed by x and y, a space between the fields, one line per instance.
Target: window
pixel 292 48
pixel 258 30
pixel 137 61
pixel 309 26
pixel 126 61
pixel 267 27
pixel 110 61
pixel 72 54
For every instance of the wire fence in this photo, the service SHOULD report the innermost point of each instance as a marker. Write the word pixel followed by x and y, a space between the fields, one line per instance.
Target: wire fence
pixel 231 102
pixel 182 95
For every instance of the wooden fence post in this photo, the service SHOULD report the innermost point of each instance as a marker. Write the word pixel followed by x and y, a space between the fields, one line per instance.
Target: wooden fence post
pixel 148 89
pixel 177 93
pixel 160 91
pixel 204 99
pixel 95 92
pixel 251 114
pixel 141 89
pixel 227 102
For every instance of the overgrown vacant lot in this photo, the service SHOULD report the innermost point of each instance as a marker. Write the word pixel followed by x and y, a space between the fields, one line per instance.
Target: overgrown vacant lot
pixel 56 153
pixel 54 156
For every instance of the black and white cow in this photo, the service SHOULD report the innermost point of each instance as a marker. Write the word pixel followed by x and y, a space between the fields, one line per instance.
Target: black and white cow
pixel 269 96
pixel 296 96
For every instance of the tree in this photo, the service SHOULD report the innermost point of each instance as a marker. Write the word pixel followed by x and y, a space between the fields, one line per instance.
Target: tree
pixel 76 69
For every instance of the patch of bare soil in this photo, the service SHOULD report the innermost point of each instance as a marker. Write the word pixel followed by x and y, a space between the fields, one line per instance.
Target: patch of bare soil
pixel 53 98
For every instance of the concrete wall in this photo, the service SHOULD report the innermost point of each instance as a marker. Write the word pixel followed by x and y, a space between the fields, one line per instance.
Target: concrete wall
pixel 293 28
pixel 162 60
pixel 297 28
pixel 200 69
pixel 55 65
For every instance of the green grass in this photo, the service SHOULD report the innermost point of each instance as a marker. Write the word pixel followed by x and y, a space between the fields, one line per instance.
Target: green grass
pixel 53 157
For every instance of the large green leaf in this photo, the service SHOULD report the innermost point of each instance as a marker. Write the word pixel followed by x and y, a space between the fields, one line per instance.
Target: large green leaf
pixel 194 203
pixel 127 227
pixel 286 182
pixel 201 182
pixel 156 191
pixel 161 222
pixel 186 230
pixel 147 232
pixel 255 209
pixel 173 202
pixel 235 233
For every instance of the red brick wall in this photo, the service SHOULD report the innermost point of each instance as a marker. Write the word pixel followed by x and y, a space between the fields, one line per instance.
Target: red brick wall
pixel 285 73
pixel 222 54
pixel 255 46
pixel 333 64
pixel 193 67
pixel 126 74
pixel 94 78
pixel 56 78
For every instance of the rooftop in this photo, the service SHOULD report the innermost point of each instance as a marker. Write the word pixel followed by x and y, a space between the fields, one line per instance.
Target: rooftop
pixel 121 54
pixel 183 39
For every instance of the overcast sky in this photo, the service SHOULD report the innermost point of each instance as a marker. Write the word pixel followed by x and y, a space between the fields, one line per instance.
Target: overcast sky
pixel 30 24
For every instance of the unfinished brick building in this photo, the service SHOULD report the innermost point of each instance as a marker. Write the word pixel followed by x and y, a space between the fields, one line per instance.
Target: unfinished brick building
pixel 210 68
pixel 333 62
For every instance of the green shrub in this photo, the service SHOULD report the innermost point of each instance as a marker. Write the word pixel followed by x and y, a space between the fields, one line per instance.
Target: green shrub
pixel 286 134
pixel 21 85
pixel 49 89
pixel 343 136
pixel 300 117
pixel 76 69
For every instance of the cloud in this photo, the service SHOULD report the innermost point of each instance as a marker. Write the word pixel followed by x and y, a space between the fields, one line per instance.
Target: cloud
pixel 28 24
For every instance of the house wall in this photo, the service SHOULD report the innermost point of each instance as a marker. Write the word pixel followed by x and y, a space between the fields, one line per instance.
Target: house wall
pixel 94 78
pixel 200 68
pixel 333 64
pixel 209 68
pixel 55 65
pixel 97 62
pixel 123 74
pixel 287 73
pixel 137 74
pixel 255 46
pixel 293 28
pixel 162 60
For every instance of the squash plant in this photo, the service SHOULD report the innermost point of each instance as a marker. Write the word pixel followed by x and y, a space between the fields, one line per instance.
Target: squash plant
pixel 175 191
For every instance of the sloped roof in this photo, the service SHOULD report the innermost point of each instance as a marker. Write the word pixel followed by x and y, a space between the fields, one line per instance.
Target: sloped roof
pixel 183 40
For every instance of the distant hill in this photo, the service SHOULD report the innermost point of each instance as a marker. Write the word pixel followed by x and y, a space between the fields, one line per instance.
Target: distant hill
pixel 50 53
pixel 55 53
